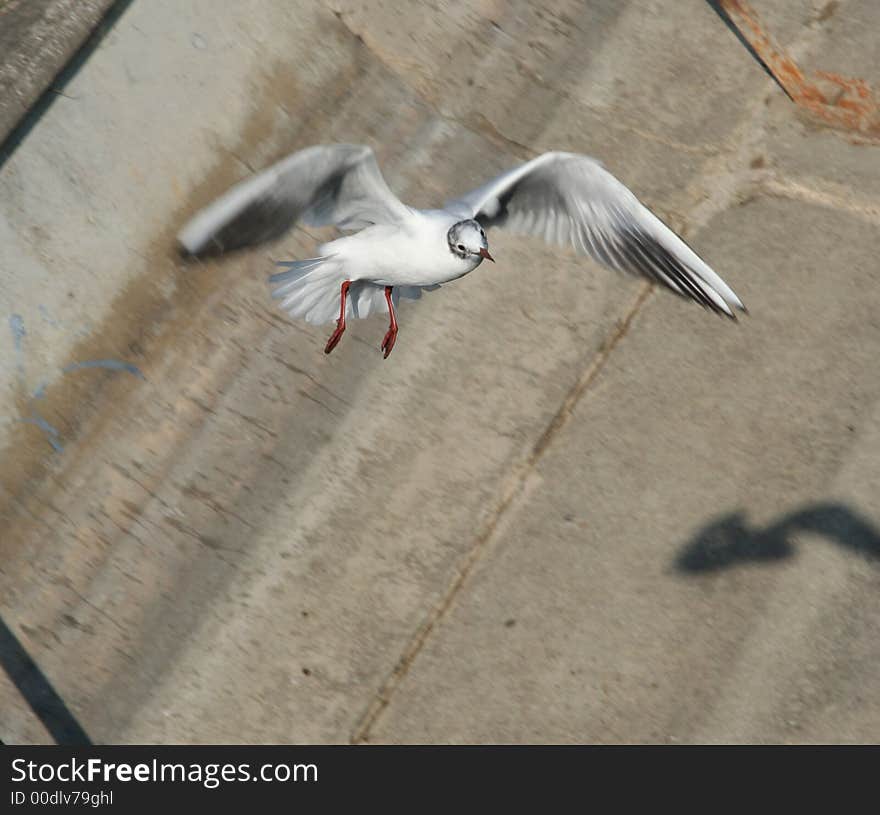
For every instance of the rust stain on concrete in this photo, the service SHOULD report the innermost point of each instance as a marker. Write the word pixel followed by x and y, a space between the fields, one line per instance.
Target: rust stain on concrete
pixel 842 102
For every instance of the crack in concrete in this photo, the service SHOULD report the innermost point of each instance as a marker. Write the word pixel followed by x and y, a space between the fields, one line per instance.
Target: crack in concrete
pixel 478 124
pixel 823 194
pixel 725 178
pixel 515 488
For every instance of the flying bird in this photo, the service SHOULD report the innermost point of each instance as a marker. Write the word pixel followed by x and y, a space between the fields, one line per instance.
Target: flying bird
pixel 396 251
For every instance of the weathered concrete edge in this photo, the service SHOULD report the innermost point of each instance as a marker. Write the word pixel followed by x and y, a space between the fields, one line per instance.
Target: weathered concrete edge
pixel 38 39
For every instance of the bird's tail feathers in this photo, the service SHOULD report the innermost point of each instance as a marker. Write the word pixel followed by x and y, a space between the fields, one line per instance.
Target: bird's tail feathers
pixel 296 269
pixel 310 289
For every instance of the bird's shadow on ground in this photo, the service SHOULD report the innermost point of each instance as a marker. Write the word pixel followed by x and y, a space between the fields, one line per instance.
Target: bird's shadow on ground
pixel 730 540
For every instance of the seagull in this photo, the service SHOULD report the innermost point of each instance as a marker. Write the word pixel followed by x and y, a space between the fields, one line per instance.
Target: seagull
pixel 395 251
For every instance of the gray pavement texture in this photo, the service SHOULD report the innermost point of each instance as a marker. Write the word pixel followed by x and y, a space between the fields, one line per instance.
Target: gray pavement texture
pixel 568 508
pixel 37 39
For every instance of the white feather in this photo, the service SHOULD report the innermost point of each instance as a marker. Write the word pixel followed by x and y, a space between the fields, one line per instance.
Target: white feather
pixel 571 195
pixel 564 198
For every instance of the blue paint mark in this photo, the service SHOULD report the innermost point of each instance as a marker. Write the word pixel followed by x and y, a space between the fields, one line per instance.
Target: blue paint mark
pixel 16 324
pixel 42 424
pixel 50 431
pixel 110 364
pixel 44 313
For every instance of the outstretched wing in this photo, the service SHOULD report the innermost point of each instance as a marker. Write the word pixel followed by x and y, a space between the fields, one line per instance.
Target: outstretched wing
pixel 570 198
pixel 337 184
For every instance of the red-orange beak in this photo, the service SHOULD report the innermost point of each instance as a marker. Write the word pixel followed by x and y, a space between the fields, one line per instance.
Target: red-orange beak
pixel 484 253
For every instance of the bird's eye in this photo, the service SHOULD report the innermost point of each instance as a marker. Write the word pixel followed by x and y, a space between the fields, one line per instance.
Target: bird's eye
pixel 461 247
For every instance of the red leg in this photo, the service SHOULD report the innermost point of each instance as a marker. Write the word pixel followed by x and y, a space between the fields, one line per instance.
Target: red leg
pixel 391 336
pixel 340 323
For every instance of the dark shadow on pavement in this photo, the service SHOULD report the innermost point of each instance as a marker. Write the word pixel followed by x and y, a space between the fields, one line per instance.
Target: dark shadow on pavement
pixel 18 134
pixel 730 541
pixel 726 19
pixel 38 692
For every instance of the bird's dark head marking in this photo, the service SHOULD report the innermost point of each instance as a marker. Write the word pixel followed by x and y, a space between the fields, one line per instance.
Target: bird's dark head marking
pixel 467 239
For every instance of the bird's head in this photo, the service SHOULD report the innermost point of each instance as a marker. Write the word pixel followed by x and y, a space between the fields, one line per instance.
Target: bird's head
pixel 467 239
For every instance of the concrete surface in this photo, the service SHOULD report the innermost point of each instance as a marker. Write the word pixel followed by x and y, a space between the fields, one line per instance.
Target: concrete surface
pixel 568 507
pixel 37 39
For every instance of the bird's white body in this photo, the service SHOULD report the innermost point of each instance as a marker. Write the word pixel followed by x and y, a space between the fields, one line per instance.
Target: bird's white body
pixel 412 252
pixel 396 251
